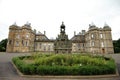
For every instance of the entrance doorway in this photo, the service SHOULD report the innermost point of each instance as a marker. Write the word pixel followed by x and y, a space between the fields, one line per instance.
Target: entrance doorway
pixel 103 50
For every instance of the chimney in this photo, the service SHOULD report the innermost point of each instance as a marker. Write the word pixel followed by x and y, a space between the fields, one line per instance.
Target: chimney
pixel 35 31
pixel 74 33
pixel 44 32
pixel 83 32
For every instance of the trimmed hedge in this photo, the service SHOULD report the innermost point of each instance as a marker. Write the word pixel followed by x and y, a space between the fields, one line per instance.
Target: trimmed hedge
pixel 70 65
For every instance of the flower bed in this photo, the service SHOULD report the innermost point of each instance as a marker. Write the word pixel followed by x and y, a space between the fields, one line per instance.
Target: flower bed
pixel 64 64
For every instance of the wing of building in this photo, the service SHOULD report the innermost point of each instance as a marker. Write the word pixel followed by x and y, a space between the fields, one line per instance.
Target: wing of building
pixel 95 40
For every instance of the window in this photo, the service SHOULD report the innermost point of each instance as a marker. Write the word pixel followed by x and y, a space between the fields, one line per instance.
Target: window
pixel 36 38
pixel 92 36
pixel 83 45
pixel 44 48
pixel 27 35
pixel 40 45
pixel 27 43
pixel 48 47
pixel 22 43
pixel 74 45
pixel 78 45
pixel 17 43
pixel 35 45
pixel 17 36
pixel 101 35
pixel 102 44
pixel 93 44
pixel 10 41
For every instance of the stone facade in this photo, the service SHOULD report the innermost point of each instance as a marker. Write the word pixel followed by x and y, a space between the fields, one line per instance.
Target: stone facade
pixel 20 39
pixel 95 40
pixel 43 44
pixel 62 43
pixel 99 40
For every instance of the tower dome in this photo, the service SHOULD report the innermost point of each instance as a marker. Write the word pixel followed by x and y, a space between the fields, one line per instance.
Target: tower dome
pixel 106 26
pixel 62 28
pixel 92 25
pixel 62 25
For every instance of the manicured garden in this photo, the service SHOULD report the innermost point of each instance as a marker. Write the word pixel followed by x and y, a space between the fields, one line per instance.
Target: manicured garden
pixel 65 64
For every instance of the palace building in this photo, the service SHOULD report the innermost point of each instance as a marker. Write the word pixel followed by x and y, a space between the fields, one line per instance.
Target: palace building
pixel 95 40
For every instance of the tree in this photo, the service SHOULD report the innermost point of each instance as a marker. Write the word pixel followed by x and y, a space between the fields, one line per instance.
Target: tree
pixel 116 45
pixel 3 45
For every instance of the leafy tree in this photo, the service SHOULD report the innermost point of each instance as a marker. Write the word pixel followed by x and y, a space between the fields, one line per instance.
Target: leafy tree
pixel 3 45
pixel 116 45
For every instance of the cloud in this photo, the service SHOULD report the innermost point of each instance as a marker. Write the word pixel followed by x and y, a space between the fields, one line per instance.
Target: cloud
pixel 48 15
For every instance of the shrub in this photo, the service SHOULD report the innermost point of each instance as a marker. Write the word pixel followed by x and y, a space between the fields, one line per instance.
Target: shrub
pixel 23 67
pixel 66 64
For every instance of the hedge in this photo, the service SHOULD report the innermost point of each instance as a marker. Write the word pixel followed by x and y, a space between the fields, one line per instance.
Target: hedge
pixel 46 68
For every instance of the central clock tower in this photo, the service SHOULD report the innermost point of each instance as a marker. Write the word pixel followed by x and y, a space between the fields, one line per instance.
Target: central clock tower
pixel 62 43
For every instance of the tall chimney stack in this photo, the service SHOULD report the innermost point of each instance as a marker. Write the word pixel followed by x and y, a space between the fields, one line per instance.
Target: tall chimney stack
pixel 74 33
pixel 44 32
pixel 83 32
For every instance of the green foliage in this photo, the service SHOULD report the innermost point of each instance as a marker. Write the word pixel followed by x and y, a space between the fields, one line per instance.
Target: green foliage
pixel 116 45
pixel 23 67
pixel 66 64
pixel 3 45
pixel 69 60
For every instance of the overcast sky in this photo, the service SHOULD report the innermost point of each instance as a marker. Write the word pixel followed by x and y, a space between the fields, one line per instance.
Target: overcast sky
pixel 48 15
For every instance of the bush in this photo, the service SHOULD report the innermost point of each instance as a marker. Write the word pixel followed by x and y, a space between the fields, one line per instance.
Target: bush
pixel 66 64
pixel 23 67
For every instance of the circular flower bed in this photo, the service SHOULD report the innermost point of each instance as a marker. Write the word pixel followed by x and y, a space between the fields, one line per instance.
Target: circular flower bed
pixel 65 64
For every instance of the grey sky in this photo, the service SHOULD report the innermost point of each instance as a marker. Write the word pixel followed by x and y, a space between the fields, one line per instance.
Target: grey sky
pixel 48 14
